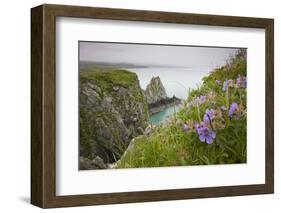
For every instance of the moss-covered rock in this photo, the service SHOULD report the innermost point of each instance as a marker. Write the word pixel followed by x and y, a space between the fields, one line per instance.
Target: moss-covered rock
pixel 113 110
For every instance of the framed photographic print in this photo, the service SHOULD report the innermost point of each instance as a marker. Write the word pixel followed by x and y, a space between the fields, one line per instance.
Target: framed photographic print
pixel 136 106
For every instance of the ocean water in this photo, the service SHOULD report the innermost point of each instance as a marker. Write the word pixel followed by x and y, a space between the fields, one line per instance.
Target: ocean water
pixel 160 117
pixel 177 81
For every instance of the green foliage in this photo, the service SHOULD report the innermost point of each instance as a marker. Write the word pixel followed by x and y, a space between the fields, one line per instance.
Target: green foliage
pixel 107 78
pixel 170 145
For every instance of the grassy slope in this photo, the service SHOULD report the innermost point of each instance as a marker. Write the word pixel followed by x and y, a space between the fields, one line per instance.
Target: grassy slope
pixel 170 145
pixel 106 78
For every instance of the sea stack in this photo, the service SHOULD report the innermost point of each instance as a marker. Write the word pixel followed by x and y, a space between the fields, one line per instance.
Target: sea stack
pixel 155 91
pixel 156 96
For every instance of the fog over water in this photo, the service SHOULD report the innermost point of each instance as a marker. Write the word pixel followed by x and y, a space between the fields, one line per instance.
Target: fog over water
pixel 180 68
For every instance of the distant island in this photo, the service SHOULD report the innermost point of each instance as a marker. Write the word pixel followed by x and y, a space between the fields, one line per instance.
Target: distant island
pixel 89 64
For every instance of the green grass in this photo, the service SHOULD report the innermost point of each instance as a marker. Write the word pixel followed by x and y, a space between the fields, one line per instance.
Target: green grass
pixel 107 78
pixel 170 145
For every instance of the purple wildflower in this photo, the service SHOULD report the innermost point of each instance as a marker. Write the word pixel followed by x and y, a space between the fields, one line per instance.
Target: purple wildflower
pixel 226 84
pixel 185 127
pixel 223 108
pixel 206 119
pixel 232 109
pixel 198 127
pixel 241 81
pixel 206 134
pixel 209 115
pixel 202 99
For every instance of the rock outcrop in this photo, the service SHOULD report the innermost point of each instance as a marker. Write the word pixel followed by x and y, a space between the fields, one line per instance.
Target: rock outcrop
pixel 155 91
pixel 156 96
pixel 113 110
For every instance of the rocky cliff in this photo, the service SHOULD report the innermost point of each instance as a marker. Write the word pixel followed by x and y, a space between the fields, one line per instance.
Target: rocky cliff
pixel 156 96
pixel 113 110
pixel 155 91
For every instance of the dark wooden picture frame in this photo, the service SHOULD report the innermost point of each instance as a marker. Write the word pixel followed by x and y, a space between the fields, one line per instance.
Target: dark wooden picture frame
pixel 43 105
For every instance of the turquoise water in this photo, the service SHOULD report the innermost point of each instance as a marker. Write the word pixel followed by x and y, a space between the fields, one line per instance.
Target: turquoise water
pixel 160 117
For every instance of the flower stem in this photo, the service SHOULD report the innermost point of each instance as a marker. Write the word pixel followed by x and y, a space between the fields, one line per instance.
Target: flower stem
pixel 198 112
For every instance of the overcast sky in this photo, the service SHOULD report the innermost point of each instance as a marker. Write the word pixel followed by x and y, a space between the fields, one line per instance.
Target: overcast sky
pixel 143 54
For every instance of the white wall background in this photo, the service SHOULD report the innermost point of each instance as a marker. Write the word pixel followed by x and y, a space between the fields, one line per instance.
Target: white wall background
pixel 15 105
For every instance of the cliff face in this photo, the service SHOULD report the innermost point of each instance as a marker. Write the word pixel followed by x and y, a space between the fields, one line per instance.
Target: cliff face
pixel 113 110
pixel 155 91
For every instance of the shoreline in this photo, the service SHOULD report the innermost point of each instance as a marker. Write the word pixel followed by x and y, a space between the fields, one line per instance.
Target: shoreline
pixel 163 104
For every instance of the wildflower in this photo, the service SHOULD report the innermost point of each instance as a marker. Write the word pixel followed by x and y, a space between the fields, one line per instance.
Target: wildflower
pixel 223 108
pixel 241 81
pixel 206 134
pixel 200 100
pixel 185 127
pixel 209 115
pixel 226 84
pixel 206 119
pixel 197 126
pixel 232 109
